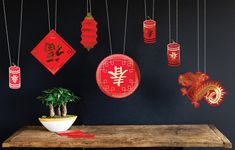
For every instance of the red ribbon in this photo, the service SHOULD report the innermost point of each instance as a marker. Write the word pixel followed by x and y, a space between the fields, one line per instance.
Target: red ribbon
pixel 76 134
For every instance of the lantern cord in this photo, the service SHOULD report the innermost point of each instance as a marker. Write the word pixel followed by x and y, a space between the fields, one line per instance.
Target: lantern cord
pixel 205 37
pixel 48 15
pixel 88 6
pixel 169 9
pixel 56 15
pixel 110 39
pixel 7 34
pixel 177 20
pixel 153 9
pixel 198 35
pixel 124 39
pixel 145 9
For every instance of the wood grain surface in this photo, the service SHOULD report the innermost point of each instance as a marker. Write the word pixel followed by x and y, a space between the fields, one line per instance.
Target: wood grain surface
pixel 120 136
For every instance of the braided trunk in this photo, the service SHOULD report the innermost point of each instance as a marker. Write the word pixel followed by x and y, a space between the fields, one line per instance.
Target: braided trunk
pixel 64 110
pixel 58 113
pixel 52 111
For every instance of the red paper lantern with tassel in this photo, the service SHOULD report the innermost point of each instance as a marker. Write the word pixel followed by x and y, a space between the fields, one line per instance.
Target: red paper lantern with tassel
pixel 149 31
pixel 173 54
pixel 89 29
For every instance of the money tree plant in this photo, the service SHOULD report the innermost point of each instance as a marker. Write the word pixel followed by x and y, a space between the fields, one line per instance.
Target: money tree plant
pixel 57 99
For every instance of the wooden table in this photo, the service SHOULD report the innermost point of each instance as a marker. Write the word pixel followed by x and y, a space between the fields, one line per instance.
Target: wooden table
pixel 122 136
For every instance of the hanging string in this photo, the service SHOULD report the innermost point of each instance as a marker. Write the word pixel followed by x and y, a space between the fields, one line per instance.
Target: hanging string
pixel 88 6
pixel 48 15
pixel 20 32
pixel 110 39
pixel 126 17
pixel 169 9
pixel 153 9
pixel 8 43
pixel 55 15
pixel 7 34
pixel 177 20
pixel 205 37
pixel 145 10
pixel 198 35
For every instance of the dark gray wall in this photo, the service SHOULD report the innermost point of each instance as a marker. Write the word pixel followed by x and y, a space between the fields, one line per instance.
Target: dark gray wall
pixel 158 99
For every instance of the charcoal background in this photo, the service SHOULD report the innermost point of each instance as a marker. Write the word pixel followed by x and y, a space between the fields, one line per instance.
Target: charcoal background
pixel 157 100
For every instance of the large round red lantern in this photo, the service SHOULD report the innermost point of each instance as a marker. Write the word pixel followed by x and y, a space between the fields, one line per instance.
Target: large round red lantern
pixel 14 77
pixel 149 27
pixel 118 76
pixel 89 30
pixel 173 54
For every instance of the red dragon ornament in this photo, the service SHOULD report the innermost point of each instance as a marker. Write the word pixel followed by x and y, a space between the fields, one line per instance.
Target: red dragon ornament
pixel 196 87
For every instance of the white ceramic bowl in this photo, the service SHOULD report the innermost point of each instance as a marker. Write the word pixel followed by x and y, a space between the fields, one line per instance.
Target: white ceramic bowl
pixel 58 124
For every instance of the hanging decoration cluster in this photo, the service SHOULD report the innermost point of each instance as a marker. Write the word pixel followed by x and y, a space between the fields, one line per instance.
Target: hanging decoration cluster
pixel 14 70
pixel 149 27
pixel 89 30
pixel 118 75
pixel 53 51
pixel 173 48
pixel 197 87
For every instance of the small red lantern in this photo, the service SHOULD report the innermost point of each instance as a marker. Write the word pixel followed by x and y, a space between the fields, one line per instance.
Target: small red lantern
pixel 89 30
pixel 149 31
pixel 118 76
pixel 14 77
pixel 173 53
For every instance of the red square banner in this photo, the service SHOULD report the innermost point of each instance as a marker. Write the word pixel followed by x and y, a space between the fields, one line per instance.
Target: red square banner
pixel 53 52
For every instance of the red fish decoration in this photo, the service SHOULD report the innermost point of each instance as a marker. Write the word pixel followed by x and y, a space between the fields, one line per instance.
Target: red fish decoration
pixel 197 86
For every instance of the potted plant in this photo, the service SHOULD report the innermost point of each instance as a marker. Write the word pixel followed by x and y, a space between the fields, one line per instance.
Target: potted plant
pixel 57 99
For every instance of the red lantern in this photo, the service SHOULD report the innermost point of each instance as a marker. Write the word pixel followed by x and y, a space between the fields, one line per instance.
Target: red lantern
pixel 118 76
pixel 149 31
pixel 14 77
pixel 53 52
pixel 173 53
pixel 89 30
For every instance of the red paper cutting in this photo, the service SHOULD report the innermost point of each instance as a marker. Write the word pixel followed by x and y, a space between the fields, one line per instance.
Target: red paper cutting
pixel 53 52
pixel 76 134
pixel 173 53
pixel 196 87
pixel 149 31
pixel 14 77
pixel 118 76
pixel 89 30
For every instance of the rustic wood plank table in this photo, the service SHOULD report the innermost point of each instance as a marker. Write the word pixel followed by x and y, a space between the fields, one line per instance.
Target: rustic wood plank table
pixel 122 136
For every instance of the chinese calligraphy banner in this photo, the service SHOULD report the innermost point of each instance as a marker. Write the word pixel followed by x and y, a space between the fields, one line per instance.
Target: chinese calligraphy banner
pixel 118 76
pixel 53 52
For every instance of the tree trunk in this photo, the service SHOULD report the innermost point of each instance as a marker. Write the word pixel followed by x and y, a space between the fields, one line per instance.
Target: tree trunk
pixel 58 111
pixel 52 111
pixel 64 110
